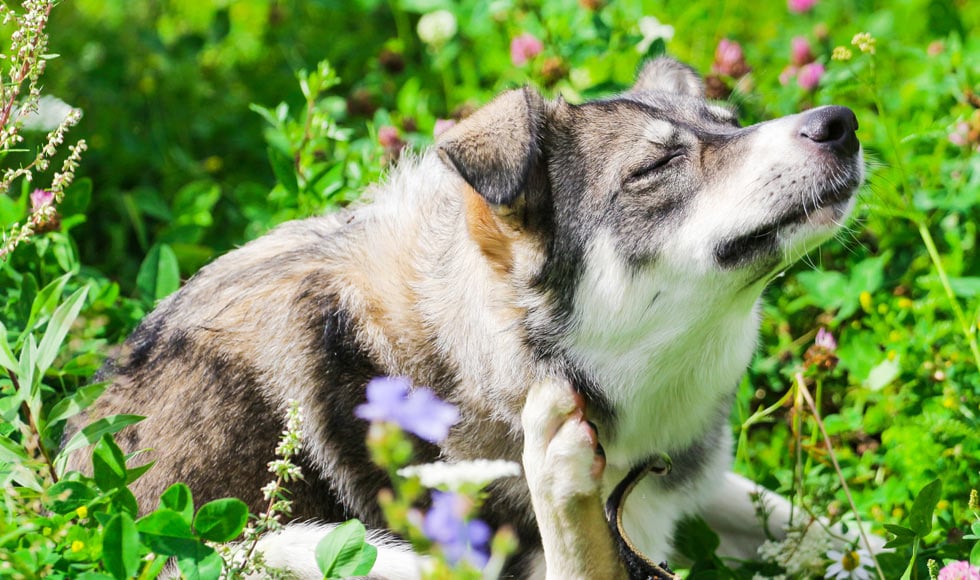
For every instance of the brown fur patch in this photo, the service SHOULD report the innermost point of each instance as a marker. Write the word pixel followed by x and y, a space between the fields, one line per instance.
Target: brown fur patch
pixel 488 232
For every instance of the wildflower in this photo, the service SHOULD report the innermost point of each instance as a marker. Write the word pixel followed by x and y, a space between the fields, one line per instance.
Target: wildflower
pixel 441 126
pixel 810 75
pixel 841 53
pixel 865 42
pixel 801 554
pixel 41 198
pixel 454 476
pixel 800 6
pixel 77 546
pixel 446 524
pixel 82 512
pixel 822 354
pixel 959 136
pixel 419 411
pixel 523 48
pixel 653 30
pixel 729 59
pixel 437 28
pixel 974 501
pixel 850 564
pixel 800 51
pixel 959 571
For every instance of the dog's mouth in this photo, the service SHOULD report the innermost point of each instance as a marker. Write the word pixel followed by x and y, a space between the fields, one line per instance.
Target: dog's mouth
pixel 824 210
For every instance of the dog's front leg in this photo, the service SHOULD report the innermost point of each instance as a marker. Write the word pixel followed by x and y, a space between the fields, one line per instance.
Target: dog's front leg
pixel 564 472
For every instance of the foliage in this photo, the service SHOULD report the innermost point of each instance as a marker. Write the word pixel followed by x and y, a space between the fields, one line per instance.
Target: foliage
pixel 197 143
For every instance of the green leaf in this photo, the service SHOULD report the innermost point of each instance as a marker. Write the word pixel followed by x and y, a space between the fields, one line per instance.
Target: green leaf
pixel 77 197
pixel 134 473
pixel 76 403
pixel 221 520
pixel 166 533
pixel 58 327
pixel 178 498
pixel 200 562
pixel 7 358
pixel 344 552
pixel 108 464
pixel 285 172
pixel 975 554
pixel 92 433
pixel 120 547
pixel 920 518
pixel 883 374
pixel 903 536
pixel 159 274
pixel 46 301
pixel 68 496
pixel 12 452
pixel 695 540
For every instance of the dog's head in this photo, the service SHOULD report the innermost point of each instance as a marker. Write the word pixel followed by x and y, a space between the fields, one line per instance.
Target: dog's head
pixel 663 177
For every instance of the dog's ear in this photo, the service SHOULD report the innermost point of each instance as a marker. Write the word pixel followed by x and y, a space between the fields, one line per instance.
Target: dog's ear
pixel 496 148
pixel 668 75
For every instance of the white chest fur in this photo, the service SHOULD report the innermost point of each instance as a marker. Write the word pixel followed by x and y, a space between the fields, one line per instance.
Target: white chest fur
pixel 666 346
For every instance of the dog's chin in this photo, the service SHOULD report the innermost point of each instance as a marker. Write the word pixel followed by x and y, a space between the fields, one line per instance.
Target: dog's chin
pixel 781 241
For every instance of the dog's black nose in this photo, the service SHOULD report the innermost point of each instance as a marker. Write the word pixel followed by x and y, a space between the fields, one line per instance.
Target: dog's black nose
pixel 832 127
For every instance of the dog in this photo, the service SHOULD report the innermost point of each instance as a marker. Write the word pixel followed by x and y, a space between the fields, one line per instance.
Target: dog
pixel 581 281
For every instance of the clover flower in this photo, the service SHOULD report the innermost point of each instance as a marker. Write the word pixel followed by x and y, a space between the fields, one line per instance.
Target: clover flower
pixel 417 410
pixel 809 76
pixel 441 126
pixel 959 571
pixel 865 42
pixel 800 6
pixel 850 564
pixel 437 28
pixel 460 538
pixel 523 48
pixel 730 59
pixel 800 51
pixel 653 30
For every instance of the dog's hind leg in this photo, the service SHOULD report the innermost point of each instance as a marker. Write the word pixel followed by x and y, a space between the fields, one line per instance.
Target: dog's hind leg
pixel 564 471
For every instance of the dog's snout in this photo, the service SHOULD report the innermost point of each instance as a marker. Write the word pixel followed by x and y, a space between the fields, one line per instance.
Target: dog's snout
pixel 832 127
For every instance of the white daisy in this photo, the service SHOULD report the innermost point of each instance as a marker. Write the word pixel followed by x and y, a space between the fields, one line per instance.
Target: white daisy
pixel 850 564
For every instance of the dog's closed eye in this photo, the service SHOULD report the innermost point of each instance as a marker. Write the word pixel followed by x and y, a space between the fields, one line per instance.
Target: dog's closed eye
pixel 650 169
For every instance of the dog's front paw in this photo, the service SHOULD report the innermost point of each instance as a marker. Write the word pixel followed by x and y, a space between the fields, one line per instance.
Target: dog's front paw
pixel 563 460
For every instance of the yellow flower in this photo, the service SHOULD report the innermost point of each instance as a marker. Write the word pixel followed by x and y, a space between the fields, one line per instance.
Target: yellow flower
pixel 77 546
pixel 842 53
pixel 904 303
pixel 82 512
pixel 865 42
pixel 865 300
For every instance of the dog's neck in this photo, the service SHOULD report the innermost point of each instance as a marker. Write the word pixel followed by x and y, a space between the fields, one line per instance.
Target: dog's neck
pixel 665 347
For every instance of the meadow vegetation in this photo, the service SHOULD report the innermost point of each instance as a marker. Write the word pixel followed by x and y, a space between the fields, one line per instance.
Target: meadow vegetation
pixel 142 139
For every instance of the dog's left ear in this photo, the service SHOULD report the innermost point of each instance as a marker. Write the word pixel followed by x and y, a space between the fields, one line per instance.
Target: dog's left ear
pixel 670 76
pixel 496 148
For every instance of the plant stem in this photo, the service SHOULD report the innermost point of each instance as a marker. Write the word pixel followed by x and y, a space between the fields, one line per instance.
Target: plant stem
pixel 34 431
pixel 968 332
pixel 801 387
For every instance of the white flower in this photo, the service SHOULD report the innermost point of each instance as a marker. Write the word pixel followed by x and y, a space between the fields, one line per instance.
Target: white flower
pixel 801 553
pixel 652 29
pixel 453 476
pixel 437 28
pixel 850 564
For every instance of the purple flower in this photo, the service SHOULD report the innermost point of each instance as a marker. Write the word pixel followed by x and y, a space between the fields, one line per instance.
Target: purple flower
pixel 41 198
pixel 446 524
pixel 959 571
pixel 800 51
pixel 810 75
pixel 825 339
pixel 523 48
pixel 417 411
pixel 729 59
pixel 800 6
pixel 441 126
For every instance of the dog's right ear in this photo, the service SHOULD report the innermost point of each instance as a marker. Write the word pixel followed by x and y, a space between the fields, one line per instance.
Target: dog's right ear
pixel 496 148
